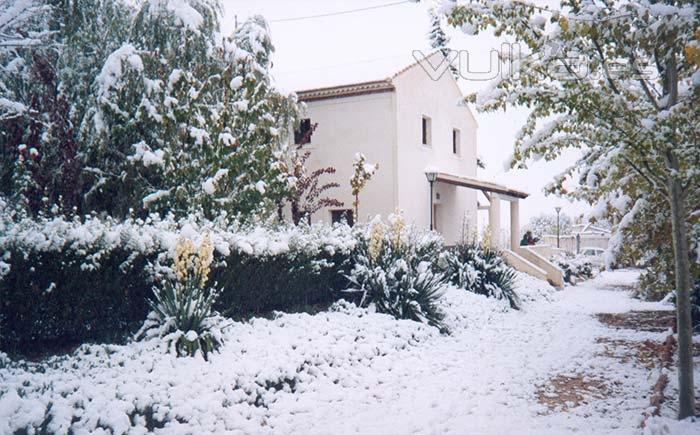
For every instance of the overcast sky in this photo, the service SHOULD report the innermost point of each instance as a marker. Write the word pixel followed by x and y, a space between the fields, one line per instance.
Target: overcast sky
pixel 360 41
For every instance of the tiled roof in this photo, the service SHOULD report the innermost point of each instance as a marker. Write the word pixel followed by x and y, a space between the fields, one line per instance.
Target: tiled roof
pixel 364 88
pixel 360 88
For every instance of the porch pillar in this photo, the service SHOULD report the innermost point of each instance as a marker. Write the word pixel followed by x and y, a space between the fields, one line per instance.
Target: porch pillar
pixel 495 220
pixel 514 225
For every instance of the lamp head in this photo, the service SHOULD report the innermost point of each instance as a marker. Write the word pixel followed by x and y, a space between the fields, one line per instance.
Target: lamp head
pixel 431 176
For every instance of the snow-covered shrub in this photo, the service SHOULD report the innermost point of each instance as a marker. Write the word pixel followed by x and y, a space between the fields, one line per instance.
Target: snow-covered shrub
pixel 183 313
pixel 68 281
pixel 393 271
pixel 480 270
pixel 284 268
pixel 575 268
pixel 105 110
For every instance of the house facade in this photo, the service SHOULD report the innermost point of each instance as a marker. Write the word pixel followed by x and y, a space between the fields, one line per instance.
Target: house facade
pixel 406 123
pixel 415 126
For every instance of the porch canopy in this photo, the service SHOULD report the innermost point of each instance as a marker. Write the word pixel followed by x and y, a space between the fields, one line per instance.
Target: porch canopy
pixel 484 186
pixel 494 193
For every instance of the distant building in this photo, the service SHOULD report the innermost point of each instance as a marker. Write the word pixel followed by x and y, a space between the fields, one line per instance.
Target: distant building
pixel 582 236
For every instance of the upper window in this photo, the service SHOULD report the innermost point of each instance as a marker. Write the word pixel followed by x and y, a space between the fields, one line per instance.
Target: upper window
pixel 302 135
pixel 456 142
pixel 426 131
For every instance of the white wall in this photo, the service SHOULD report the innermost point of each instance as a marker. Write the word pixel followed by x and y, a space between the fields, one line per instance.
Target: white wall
pixel 386 128
pixel 418 95
pixel 349 125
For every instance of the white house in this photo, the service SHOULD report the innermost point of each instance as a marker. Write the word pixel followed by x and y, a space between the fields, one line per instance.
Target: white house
pixel 407 123
pixel 415 125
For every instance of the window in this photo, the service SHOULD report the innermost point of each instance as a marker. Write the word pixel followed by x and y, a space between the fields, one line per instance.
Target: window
pixel 302 135
pixel 455 142
pixel 426 127
pixel 342 216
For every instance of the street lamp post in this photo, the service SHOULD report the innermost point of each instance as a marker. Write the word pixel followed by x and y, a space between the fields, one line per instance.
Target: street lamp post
pixel 431 176
pixel 558 209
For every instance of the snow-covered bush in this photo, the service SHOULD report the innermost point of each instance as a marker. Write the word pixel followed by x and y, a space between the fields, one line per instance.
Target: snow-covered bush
pixel 114 105
pixel 480 270
pixel 575 268
pixel 393 271
pixel 183 315
pixel 66 281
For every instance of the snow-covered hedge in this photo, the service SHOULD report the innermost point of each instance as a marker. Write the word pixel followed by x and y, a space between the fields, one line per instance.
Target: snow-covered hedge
pixel 67 281
pixel 95 237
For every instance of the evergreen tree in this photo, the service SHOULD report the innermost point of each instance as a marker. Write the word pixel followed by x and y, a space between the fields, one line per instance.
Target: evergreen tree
pixel 108 106
pixel 185 121
pixel 439 39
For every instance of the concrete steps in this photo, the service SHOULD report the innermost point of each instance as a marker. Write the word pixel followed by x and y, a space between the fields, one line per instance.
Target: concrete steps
pixel 528 261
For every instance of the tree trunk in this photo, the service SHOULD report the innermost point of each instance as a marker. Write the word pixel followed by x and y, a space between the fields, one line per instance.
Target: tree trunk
pixel 686 386
pixel 685 327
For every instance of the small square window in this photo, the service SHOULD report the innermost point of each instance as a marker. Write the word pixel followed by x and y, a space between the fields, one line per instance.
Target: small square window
pixel 426 131
pixel 302 135
pixel 456 145
pixel 342 216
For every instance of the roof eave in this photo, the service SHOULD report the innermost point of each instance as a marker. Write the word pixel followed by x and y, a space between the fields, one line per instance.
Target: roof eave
pixel 343 91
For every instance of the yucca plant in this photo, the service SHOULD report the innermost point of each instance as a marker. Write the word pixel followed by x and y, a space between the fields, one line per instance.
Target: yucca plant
pixel 482 271
pixel 182 310
pixel 391 272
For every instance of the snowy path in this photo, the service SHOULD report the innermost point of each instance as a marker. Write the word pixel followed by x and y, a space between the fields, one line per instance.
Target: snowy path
pixel 482 380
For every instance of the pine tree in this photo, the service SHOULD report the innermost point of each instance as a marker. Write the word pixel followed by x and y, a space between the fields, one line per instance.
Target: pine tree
pixel 439 39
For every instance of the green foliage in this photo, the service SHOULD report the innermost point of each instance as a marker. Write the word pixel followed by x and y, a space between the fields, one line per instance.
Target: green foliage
pixel 286 282
pixel 40 164
pixel 68 282
pixel 141 106
pixel 201 130
pixel 51 300
pixel 482 271
pixel 647 245
pixel 628 100
pixel 392 270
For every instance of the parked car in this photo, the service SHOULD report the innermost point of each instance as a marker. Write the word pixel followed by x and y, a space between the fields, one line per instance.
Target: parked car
pixel 594 255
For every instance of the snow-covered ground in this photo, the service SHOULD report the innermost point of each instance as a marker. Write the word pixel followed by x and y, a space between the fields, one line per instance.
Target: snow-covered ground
pixel 352 371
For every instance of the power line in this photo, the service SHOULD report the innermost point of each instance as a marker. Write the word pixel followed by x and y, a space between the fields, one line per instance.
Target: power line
pixel 348 11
